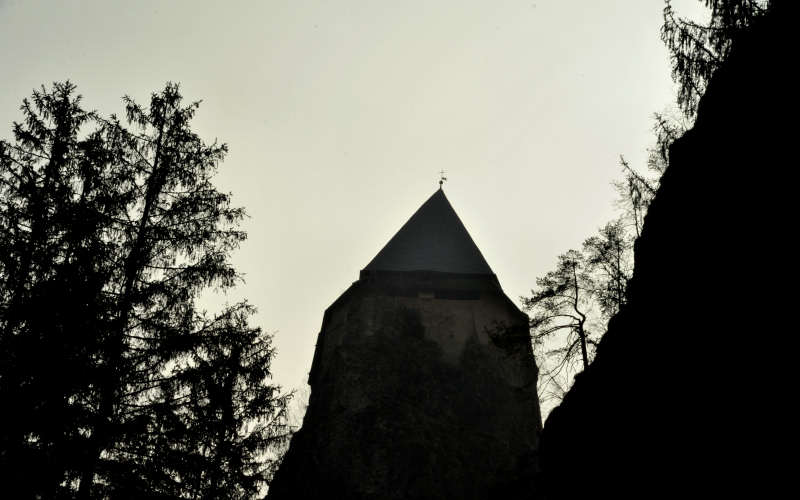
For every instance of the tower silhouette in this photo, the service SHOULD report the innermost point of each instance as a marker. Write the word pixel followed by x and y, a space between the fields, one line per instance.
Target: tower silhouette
pixel 423 382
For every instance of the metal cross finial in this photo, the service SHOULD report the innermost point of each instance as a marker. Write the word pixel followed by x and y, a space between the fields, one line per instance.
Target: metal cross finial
pixel 442 178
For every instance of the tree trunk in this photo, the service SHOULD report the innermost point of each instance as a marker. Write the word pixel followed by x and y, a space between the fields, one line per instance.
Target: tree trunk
pixel 111 382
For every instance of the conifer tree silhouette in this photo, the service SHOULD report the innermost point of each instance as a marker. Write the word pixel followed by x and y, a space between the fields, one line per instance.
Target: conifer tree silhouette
pixel 119 385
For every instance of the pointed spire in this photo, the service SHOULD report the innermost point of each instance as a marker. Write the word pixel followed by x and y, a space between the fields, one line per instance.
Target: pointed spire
pixel 433 239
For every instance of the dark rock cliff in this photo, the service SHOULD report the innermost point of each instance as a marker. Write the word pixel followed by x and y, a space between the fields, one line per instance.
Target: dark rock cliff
pixel 690 384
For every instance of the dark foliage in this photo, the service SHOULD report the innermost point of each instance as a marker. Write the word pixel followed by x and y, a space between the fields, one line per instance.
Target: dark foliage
pixel 696 50
pixel 636 190
pixel 571 305
pixel 119 386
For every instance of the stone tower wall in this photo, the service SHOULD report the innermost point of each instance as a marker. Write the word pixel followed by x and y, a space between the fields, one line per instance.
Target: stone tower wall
pixel 416 396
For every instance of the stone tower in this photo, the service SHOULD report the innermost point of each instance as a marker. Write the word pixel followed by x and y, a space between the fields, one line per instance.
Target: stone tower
pixel 423 383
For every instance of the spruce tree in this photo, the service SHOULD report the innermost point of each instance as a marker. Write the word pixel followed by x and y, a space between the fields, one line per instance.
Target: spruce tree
pixel 697 50
pixel 51 286
pixel 120 386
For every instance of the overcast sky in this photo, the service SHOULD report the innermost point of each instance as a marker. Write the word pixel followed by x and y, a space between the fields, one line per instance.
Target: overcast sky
pixel 339 114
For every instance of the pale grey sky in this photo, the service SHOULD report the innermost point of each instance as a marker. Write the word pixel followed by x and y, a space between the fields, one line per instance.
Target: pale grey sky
pixel 339 114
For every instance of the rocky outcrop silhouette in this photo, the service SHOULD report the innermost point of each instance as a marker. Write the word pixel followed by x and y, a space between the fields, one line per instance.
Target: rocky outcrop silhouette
pixel 691 383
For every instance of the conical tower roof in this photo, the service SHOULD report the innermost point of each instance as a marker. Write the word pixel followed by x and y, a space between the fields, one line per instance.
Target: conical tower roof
pixel 433 239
